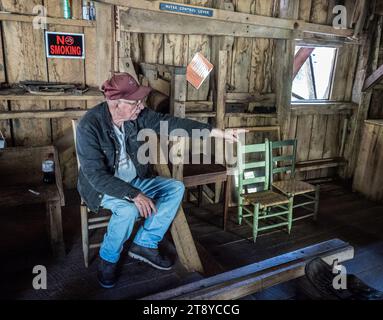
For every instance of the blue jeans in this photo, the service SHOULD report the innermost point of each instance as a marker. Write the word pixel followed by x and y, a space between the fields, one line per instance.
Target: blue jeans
pixel 167 195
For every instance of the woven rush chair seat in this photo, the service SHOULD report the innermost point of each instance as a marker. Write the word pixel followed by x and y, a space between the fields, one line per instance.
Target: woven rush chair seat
pixel 293 186
pixel 266 198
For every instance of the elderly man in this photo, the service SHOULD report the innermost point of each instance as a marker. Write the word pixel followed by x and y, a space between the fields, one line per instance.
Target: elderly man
pixel 111 176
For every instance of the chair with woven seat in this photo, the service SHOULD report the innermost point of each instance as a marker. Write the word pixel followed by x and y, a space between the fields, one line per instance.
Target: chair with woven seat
pixel 89 220
pixel 283 164
pixel 253 191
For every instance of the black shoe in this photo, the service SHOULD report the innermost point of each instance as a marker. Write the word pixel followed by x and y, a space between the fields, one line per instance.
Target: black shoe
pixel 150 256
pixel 107 273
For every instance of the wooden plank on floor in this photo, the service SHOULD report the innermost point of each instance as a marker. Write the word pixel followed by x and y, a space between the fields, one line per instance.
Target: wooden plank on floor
pixel 240 282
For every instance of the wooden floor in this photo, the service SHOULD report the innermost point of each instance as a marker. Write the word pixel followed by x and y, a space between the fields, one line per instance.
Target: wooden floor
pixel 24 244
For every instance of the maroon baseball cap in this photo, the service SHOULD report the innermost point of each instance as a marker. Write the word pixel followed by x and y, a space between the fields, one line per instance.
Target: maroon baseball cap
pixel 124 86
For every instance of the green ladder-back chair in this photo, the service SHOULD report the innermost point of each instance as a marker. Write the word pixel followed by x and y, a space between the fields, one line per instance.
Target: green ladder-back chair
pixel 305 195
pixel 264 205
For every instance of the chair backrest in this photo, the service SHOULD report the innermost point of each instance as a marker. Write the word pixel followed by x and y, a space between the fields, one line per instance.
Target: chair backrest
pixel 282 157
pixel 253 172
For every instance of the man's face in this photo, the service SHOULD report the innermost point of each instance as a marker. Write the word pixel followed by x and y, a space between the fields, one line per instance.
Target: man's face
pixel 129 109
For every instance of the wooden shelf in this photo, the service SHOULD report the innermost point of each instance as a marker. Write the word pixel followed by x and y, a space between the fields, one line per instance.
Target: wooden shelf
pixel 21 95
pixel 319 164
pixel 375 122
pixel 9 16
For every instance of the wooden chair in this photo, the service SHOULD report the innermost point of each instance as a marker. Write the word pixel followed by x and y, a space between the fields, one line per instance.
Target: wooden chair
pixel 197 175
pixel 21 182
pixel 88 219
pixel 284 164
pixel 265 204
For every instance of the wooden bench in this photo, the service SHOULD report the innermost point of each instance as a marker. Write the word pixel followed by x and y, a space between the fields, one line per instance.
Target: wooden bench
pixel 21 182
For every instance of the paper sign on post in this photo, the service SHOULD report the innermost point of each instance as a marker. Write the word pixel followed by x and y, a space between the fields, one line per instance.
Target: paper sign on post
pixel 198 70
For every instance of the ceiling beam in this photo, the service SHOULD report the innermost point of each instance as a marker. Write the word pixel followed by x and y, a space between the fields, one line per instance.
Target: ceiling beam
pixel 195 12
pixel 373 79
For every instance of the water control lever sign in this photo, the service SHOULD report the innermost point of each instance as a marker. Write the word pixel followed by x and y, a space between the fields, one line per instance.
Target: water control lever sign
pixel 65 45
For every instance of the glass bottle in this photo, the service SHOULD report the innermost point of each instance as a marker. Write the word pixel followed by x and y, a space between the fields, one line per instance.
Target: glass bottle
pixel 48 168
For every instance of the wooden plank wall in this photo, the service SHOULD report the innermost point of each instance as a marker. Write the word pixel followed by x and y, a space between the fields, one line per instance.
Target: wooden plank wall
pixel 250 66
pixel 318 135
pixel 22 57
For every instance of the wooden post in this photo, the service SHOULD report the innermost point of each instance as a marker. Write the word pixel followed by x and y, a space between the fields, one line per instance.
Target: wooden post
pixel 362 98
pixel 55 228
pixel 182 237
pixel 221 103
pixel 180 231
pixel 284 68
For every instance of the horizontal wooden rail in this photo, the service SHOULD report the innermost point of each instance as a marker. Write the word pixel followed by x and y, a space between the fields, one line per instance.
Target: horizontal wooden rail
pixel 10 16
pixel 319 164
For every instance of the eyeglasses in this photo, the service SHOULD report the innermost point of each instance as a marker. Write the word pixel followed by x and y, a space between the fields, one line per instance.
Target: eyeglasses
pixel 136 103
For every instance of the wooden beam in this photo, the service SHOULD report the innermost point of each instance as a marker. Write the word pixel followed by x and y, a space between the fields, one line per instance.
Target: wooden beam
pixel 249 279
pixel 311 165
pixel 42 114
pixel 328 107
pixel 257 25
pixel 10 16
pixel 373 79
pixel 140 21
pixel 21 95
pixel 266 99
pixel 182 237
pixel 300 58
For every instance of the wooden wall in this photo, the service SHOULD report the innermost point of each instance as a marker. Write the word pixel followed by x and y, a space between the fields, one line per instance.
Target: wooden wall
pixel 251 66
pixel 22 57
pixel 250 69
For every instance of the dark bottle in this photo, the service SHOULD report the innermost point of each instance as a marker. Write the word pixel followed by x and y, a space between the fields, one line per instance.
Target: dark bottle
pixel 48 167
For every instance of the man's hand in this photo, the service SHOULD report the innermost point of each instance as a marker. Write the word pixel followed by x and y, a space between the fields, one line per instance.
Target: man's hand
pixel 230 135
pixel 144 205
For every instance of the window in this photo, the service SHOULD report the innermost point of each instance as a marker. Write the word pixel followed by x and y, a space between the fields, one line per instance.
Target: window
pixel 313 73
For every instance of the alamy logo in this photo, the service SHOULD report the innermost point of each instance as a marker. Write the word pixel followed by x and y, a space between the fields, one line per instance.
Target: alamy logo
pixel 40 21
pixel 39 282
pixel 340 20
pixel 340 280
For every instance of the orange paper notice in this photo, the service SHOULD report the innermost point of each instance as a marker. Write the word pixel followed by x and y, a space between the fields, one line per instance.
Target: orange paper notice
pixel 198 70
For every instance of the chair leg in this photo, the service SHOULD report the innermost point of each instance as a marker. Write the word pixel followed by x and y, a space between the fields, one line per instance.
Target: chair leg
pixel 199 196
pixel 316 204
pixel 85 234
pixel 255 221
pixel 226 202
pixel 290 214
pixel 240 204
pixel 55 228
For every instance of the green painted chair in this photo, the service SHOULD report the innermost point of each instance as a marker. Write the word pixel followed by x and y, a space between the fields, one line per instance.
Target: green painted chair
pixel 282 178
pixel 263 205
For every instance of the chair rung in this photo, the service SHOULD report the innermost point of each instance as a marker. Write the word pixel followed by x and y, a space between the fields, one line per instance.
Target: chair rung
pixel 247 210
pixel 282 169
pixel 252 165
pixel 307 196
pixel 303 204
pixel 253 180
pixel 99 219
pixel 283 143
pixel 253 148
pixel 283 158
pixel 98 225
pixel 273 215
pixel 94 245
pixel 304 217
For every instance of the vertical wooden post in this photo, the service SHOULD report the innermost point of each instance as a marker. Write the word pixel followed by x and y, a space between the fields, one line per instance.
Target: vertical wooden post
pixel 180 231
pixel 105 41
pixel 284 67
pixel 220 105
pixel 55 227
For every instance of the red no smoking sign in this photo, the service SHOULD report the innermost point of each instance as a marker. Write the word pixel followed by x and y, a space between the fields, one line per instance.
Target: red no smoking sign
pixel 64 45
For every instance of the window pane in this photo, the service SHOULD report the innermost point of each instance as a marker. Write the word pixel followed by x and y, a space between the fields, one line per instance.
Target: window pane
pixel 313 81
